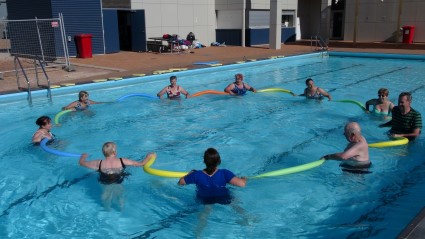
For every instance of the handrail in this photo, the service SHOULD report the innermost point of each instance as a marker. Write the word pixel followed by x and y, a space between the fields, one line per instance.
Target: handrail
pixel 320 44
pixel 16 60
pixel 49 92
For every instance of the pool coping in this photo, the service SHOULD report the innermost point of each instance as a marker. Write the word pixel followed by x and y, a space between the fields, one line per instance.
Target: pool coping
pixel 415 229
pixel 129 80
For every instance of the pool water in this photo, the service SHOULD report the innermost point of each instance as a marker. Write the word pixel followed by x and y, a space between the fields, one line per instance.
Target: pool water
pixel 48 196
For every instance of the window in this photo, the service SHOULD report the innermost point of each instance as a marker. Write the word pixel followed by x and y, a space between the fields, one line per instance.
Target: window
pixel 288 18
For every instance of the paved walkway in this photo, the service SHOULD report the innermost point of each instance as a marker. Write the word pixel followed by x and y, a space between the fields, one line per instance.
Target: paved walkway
pixel 128 63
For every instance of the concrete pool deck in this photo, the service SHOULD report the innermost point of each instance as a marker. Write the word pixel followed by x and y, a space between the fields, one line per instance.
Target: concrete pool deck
pixel 123 64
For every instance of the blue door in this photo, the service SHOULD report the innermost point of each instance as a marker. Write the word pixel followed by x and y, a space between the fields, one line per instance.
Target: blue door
pixel 110 28
pixel 138 30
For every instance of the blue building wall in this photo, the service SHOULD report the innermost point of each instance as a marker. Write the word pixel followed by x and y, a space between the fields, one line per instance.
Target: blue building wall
pixel 232 37
pixel 255 36
pixel 110 22
pixel 80 16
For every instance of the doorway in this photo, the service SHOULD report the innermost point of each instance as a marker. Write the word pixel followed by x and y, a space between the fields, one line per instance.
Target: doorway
pixel 132 30
pixel 337 25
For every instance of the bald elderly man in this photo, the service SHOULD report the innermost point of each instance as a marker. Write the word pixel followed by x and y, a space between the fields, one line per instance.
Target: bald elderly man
pixel 355 157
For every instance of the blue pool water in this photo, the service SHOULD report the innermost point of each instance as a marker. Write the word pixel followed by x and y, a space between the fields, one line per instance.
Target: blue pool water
pixel 47 196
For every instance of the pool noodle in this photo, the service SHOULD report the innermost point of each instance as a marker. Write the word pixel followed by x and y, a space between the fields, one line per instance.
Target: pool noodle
pixel 43 145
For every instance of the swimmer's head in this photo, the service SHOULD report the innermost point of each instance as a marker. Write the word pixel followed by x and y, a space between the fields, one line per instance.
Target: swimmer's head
pixel 83 94
pixel 407 95
pixel 43 120
pixel 383 91
pixel 239 76
pixel 352 129
pixel 212 160
pixel 109 148
pixel 309 82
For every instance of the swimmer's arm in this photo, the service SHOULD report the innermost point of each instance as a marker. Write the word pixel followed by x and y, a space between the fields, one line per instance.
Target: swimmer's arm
pixel 304 94
pixel 240 182
pixel 162 92
pixel 130 162
pixel 39 135
pixel 390 108
pixel 325 93
pixel 351 152
pixel 228 89
pixel 71 106
pixel 181 180
pixel 36 138
pixel 416 132
pixel 250 88
pixel 369 103
pixel 94 164
pixel 184 92
pixel 95 102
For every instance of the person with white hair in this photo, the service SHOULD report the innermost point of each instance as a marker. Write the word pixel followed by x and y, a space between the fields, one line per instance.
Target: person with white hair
pixel 355 157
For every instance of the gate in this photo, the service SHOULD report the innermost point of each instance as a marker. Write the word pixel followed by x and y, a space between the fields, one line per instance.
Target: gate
pixel 42 39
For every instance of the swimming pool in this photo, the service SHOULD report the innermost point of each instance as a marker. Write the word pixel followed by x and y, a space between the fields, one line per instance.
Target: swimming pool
pixel 44 195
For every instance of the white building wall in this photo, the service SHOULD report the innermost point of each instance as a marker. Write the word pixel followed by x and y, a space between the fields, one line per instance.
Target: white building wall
pixel 309 12
pixel 377 20
pixel 229 12
pixel 179 17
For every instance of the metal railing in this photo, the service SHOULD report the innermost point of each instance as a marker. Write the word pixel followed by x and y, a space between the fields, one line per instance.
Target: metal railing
pixel 319 44
pixel 37 63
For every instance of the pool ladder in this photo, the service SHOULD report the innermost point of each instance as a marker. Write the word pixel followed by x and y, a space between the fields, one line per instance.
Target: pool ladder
pixel 37 63
pixel 319 45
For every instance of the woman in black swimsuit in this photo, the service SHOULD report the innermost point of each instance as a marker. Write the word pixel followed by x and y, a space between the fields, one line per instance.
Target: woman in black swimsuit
pixel 112 172
pixel 112 169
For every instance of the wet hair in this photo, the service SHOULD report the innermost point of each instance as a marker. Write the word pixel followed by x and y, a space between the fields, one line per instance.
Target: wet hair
pixel 309 79
pixel 239 75
pixel 212 160
pixel 81 94
pixel 43 120
pixel 173 77
pixel 407 94
pixel 383 91
pixel 109 148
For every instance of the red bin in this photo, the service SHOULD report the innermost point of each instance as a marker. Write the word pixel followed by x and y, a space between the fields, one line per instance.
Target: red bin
pixel 84 45
pixel 408 33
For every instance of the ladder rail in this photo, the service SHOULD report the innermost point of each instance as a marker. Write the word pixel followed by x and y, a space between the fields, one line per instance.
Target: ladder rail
pixel 18 62
pixel 49 92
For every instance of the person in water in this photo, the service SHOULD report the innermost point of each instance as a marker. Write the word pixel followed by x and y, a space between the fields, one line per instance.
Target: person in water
pixel 211 182
pixel 381 105
pixel 45 125
pixel 173 90
pixel 355 157
pixel 112 172
pixel 82 103
pixel 406 121
pixel 112 169
pixel 239 87
pixel 314 92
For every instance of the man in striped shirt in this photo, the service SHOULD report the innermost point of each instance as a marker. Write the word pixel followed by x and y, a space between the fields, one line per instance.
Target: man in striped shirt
pixel 406 122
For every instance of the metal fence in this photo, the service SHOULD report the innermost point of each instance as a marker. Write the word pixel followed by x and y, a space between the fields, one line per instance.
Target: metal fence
pixel 41 39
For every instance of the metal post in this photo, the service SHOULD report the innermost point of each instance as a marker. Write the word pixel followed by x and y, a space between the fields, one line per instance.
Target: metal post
pixel 356 18
pixel 39 40
pixel 64 43
pixel 243 22
pixel 400 11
